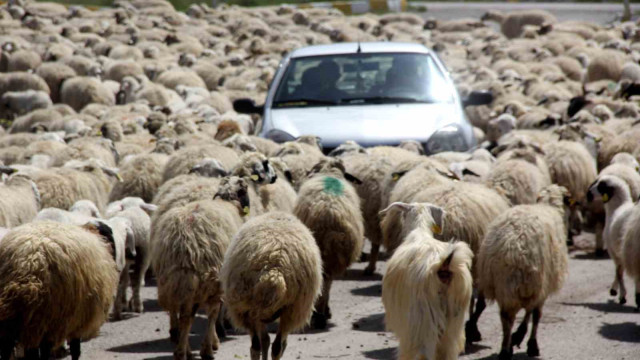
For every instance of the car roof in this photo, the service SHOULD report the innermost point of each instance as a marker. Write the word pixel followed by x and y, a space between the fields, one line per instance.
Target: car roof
pixel 365 47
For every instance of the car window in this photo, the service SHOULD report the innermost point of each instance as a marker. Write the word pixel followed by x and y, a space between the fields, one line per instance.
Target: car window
pixel 362 78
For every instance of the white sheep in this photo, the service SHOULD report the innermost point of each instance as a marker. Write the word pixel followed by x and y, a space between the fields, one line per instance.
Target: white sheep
pixel 189 243
pixel 522 261
pixel 272 270
pixel 56 297
pixel 616 197
pixel 330 207
pixel 631 249
pixel 427 287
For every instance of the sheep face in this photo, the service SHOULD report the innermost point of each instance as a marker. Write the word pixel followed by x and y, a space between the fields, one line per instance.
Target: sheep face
pixel 209 168
pixel 348 147
pixel 419 215
pixel 235 189
pixel 256 167
pixel 310 140
pixel 607 187
pixel 333 167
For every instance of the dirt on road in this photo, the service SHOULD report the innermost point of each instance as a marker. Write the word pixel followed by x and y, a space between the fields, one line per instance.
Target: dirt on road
pixel 580 322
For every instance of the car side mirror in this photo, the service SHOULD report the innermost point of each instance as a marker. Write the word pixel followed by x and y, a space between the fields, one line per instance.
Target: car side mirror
pixel 478 98
pixel 247 106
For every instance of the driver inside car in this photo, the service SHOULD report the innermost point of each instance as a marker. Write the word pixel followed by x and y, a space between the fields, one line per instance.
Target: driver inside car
pixel 319 83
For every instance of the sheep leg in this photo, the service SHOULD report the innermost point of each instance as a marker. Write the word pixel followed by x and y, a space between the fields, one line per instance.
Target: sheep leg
pixel 507 318
pixel 183 352
pixel 45 350
pixel 599 241
pixel 174 332
pixel 265 341
pixel 7 344
pixel 137 278
pixel 279 345
pixel 532 344
pixel 620 280
pixel 637 295
pixel 211 341
pixel 255 345
pixel 471 328
pixel 373 259
pixel 320 315
pixel 521 332
pixel 220 330
pixel 74 346
pixel 31 354
pixel 121 295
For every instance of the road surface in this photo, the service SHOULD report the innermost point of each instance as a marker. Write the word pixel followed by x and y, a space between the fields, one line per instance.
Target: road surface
pixel 581 322
pixel 600 13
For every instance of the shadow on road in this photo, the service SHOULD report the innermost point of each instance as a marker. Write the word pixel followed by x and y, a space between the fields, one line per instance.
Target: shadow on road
pixel 151 305
pixel 381 354
pixel 589 256
pixel 606 307
pixel 627 332
pixel 357 274
pixel 474 348
pixel 373 290
pixel 519 356
pixel 371 323
pixel 165 345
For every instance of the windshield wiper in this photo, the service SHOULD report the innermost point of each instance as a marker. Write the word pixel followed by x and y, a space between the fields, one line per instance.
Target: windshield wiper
pixel 303 102
pixel 383 100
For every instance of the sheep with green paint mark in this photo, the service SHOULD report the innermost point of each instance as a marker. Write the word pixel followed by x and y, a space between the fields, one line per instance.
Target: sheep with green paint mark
pixel 330 207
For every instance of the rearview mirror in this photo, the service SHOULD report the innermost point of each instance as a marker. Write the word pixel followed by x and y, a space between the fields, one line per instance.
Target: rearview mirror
pixel 478 98
pixel 247 106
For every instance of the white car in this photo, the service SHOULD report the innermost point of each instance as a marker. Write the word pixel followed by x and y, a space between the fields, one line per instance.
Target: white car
pixel 378 93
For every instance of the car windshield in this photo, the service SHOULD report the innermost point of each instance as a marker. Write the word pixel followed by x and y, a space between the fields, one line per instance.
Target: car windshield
pixel 352 79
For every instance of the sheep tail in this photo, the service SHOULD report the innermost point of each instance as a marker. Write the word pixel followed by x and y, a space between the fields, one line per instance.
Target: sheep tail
pixel 270 292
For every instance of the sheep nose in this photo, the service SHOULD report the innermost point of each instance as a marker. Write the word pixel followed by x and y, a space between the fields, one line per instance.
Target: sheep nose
pixel 274 178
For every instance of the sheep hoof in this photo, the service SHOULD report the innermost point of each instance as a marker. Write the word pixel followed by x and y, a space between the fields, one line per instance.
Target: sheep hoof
pixel 505 354
pixel 135 306
pixel 369 271
pixel 318 321
pixel 623 300
pixel 220 330
pixel 516 338
pixel 600 253
pixel 532 348
pixel 181 355
pixel 613 292
pixel 205 356
pixel 174 334
pixel 472 333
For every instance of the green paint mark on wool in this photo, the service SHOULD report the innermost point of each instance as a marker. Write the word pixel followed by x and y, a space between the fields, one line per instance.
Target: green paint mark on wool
pixel 333 186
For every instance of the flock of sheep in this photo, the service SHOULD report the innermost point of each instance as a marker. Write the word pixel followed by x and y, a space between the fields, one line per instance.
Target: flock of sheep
pixel 122 156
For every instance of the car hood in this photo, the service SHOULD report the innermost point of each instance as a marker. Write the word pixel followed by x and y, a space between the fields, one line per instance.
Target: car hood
pixel 369 125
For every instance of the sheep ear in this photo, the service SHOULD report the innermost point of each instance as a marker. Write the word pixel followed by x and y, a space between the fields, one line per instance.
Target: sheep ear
pixel 149 207
pixel 398 205
pixel 444 273
pixel 438 214
pixel 352 179
pixel 289 176
pixel 112 172
pixel 449 175
pixel 397 175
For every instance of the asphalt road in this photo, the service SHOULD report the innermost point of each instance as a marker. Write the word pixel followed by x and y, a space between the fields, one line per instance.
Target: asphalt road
pixel 580 322
pixel 601 13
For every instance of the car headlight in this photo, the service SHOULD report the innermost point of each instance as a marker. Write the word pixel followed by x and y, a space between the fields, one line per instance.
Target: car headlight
pixel 279 136
pixel 449 138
